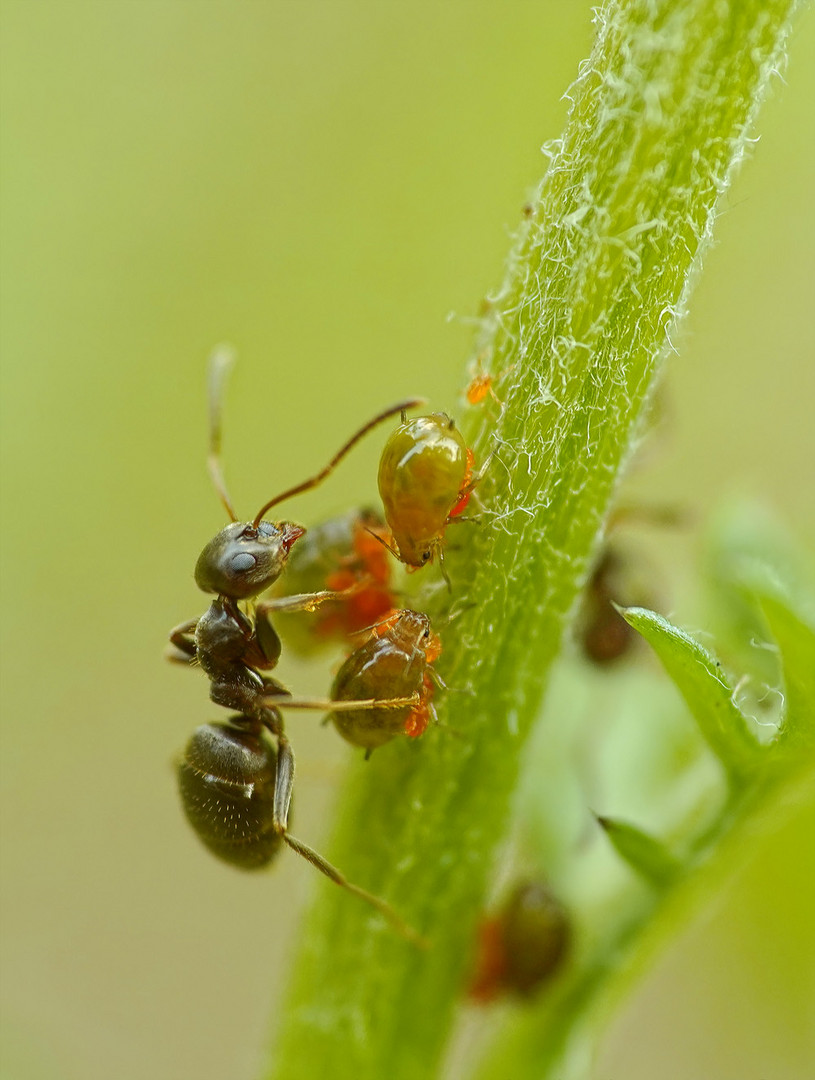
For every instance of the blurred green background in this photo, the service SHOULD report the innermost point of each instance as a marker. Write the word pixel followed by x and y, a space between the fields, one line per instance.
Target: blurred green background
pixel 329 186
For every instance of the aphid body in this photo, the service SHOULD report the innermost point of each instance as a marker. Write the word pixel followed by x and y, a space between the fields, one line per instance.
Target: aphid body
pixel 523 946
pixel 424 481
pixel 346 554
pixel 393 663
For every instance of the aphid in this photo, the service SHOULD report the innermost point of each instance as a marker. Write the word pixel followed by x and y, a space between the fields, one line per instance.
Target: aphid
pixel 618 578
pixel 478 389
pixel 235 786
pixel 425 480
pixel 396 662
pixel 603 634
pixel 521 947
pixel 347 554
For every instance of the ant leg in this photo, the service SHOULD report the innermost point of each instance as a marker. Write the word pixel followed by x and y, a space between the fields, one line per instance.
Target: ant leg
pixel 318 478
pixel 182 649
pixel 284 783
pixel 340 705
pixel 219 364
pixel 304 601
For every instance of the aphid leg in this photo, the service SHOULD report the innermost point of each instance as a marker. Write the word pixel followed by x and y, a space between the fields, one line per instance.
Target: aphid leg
pixel 284 782
pixel 219 364
pixel 472 480
pixel 181 649
pixel 443 569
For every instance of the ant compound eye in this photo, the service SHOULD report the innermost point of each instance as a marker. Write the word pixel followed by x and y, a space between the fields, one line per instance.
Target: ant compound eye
pixel 425 557
pixel 242 562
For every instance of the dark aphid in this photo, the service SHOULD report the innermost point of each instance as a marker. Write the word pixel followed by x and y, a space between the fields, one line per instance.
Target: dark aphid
pixel 346 554
pixel 523 946
pixel 394 663
pixel 425 480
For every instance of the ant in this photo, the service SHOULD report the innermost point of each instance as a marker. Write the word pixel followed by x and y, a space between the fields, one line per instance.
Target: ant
pixel 398 659
pixel 522 946
pixel 425 480
pixel 346 554
pixel 236 787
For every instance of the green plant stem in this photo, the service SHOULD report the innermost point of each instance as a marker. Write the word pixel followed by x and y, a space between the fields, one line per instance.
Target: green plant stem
pixel 660 117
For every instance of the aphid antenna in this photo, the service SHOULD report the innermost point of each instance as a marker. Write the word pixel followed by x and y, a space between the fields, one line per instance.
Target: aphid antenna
pixel 381 622
pixel 318 478
pixel 220 364
pixel 384 543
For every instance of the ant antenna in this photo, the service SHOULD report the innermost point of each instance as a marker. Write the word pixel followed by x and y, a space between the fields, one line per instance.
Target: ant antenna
pixel 307 485
pixel 220 362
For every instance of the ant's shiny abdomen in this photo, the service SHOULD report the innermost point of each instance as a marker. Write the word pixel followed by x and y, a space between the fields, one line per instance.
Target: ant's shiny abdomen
pixel 227 784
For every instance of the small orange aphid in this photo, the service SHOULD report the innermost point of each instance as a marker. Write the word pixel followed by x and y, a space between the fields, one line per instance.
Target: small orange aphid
pixel 418 719
pixel 425 478
pixel 344 554
pixel 366 574
pixel 482 384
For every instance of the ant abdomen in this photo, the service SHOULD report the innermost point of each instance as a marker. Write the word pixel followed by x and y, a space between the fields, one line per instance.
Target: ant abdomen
pixel 227 784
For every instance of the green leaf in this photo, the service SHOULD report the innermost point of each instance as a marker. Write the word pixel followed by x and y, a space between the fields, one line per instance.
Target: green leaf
pixel 701 682
pixel 796 642
pixel 643 853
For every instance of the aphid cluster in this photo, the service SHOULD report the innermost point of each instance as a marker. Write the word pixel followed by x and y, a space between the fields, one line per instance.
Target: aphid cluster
pixel 236 777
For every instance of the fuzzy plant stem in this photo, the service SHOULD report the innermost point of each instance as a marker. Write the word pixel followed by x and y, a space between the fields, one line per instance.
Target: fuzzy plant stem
pixel 660 117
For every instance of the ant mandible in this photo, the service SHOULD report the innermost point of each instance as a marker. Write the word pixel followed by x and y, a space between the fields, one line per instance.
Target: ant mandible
pixel 236 788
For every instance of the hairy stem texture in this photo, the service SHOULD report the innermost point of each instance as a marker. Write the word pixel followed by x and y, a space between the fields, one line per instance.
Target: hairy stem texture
pixel 660 116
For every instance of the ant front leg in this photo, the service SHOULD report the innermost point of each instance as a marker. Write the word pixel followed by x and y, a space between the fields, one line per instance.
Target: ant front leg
pixel 264 648
pixel 182 648
pixel 305 601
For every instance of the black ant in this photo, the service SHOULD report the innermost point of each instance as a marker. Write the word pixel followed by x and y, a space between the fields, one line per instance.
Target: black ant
pixel 236 787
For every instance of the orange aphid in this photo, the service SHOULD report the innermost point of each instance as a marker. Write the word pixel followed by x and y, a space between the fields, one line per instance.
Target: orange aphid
pixel 369 569
pixel 479 388
pixel 466 486
pixel 417 721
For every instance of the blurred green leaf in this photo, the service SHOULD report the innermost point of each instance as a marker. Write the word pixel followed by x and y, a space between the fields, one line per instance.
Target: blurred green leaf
pixel 701 681
pixel 643 853
pixel 796 642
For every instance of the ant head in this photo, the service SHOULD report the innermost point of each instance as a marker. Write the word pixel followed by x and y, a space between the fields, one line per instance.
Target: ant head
pixel 243 559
